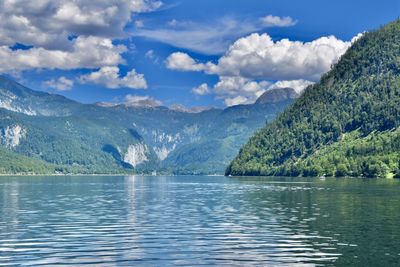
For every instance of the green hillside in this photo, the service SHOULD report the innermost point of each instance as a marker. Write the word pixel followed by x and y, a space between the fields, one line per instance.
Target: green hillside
pixel 344 125
pixel 69 137
pixel 13 163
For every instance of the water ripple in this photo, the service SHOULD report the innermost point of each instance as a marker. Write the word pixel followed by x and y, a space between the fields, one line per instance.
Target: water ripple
pixel 127 221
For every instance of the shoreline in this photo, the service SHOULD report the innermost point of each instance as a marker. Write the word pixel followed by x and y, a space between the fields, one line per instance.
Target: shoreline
pixel 191 175
pixel 113 175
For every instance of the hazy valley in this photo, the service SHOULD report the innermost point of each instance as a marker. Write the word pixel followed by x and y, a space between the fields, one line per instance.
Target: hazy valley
pixel 47 133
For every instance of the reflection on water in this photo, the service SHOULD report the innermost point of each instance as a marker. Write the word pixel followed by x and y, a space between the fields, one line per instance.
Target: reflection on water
pixel 198 220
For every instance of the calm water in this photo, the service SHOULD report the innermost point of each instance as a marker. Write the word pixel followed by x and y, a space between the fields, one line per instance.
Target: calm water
pixel 159 221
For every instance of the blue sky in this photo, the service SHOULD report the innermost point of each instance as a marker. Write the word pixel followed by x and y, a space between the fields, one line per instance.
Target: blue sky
pixel 161 51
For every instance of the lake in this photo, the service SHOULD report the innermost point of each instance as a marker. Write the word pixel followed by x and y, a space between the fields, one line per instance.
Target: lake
pixel 162 221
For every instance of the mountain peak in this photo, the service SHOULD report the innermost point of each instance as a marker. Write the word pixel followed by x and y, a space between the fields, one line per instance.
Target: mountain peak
pixel 277 95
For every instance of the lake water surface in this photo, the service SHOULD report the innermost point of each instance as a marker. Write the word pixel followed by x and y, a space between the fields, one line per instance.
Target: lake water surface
pixel 162 221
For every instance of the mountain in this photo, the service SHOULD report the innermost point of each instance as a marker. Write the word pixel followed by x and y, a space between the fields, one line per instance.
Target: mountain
pixel 347 124
pixel 89 142
pixel 218 136
pixel 277 95
pixel 47 133
pixel 181 108
pixel 17 98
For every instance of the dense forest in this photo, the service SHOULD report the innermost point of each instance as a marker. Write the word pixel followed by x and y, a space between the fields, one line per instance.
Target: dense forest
pixel 345 125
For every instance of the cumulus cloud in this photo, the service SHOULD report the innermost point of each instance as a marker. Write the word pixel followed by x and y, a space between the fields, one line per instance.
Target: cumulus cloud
pixel 110 78
pixel 252 62
pixel 183 62
pixel 233 85
pixel 86 52
pixel 259 57
pixel 298 85
pixel 140 6
pixel 275 21
pixel 141 101
pixel 238 90
pixel 48 23
pixel 201 90
pixel 65 34
pixel 61 84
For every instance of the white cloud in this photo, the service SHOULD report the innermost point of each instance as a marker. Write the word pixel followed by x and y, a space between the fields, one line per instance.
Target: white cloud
pixel 140 6
pixel 298 85
pixel 86 52
pixel 110 78
pixel 139 23
pixel 141 101
pixel 201 90
pixel 259 57
pixel 233 85
pixel 65 34
pixel 207 38
pixel 213 37
pixel 238 100
pixel 239 90
pixel 48 23
pixel 183 62
pixel 256 63
pixel 275 21
pixel 61 84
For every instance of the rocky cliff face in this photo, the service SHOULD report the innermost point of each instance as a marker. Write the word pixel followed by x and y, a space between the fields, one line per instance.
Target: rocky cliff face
pixel 136 154
pixel 11 136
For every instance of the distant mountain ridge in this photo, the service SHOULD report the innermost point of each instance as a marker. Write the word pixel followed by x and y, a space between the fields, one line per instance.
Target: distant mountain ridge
pixel 18 98
pixel 65 136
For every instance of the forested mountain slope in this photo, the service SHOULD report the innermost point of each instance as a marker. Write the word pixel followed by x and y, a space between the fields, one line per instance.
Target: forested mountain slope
pixel 347 124
pixel 58 135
